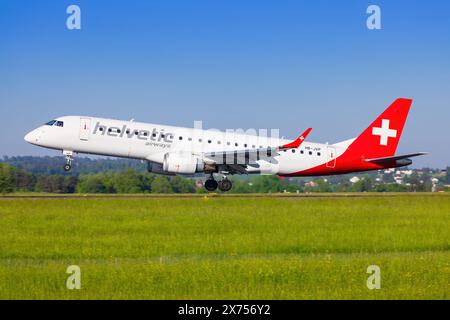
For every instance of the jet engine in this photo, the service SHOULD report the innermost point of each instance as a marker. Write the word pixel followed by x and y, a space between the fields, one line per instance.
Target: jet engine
pixel 157 168
pixel 182 163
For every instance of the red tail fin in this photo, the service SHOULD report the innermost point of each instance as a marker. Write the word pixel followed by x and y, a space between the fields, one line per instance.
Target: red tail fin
pixel 381 138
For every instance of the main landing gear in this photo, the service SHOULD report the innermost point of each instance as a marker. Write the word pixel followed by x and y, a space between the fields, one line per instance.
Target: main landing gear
pixel 69 159
pixel 224 185
pixel 211 184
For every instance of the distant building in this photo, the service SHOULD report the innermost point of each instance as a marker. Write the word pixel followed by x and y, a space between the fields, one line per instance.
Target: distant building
pixel 354 179
pixel 199 184
pixel 398 180
pixel 311 184
pixel 407 172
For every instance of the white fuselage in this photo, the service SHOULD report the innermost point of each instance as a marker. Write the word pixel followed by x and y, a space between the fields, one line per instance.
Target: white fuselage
pixel 152 142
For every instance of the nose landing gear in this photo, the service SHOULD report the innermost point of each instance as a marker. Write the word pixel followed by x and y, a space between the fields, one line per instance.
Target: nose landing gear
pixel 69 159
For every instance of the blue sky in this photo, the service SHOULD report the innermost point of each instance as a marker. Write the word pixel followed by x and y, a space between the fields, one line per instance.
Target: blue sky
pixel 231 64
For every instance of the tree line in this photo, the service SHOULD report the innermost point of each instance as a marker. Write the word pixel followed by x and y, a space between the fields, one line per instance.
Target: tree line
pixel 83 165
pixel 13 179
pixel 107 175
pixel 130 181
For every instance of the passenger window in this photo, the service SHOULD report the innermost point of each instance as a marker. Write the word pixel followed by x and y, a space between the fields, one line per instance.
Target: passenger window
pixel 236 144
pixel 209 141
pixel 318 153
pixel 180 138
pixel 310 153
pixel 302 152
pixel 293 150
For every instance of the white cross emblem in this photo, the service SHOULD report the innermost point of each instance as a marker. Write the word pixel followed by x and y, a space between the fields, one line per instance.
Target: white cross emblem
pixel 384 132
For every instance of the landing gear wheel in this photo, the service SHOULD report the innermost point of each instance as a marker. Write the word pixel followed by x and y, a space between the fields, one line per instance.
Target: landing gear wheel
pixel 211 184
pixel 225 185
pixel 69 158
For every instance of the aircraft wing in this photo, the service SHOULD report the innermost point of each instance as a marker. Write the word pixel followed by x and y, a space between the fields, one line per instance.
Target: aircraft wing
pixel 237 160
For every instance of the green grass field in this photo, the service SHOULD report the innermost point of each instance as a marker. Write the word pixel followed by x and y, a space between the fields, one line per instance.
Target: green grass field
pixel 225 247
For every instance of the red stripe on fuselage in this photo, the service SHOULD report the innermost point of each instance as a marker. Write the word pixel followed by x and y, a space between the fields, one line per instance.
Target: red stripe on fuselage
pixel 370 144
pixel 345 163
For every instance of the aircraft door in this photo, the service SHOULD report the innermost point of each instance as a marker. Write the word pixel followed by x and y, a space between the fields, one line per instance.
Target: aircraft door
pixel 331 157
pixel 85 128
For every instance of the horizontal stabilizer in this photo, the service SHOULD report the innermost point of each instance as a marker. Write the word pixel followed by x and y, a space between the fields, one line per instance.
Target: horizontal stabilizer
pixel 395 158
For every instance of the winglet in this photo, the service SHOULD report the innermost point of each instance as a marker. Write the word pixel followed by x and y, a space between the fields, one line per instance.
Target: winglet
pixel 297 142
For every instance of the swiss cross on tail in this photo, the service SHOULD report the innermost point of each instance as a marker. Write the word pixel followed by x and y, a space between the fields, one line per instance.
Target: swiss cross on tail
pixel 384 132
pixel 381 137
pixel 378 143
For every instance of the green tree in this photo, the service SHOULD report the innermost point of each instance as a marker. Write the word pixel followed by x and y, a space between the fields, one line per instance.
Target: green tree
pixel 323 186
pixel 7 178
pixel 91 184
pixel 128 181
pixel 264 184
pixel 161 185
pixel 25 181
pixel 70 184
pixel 363 185
pixel 182 185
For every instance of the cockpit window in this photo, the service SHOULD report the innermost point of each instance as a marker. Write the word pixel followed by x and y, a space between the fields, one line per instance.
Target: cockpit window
pixel 50 123
pixel 59 123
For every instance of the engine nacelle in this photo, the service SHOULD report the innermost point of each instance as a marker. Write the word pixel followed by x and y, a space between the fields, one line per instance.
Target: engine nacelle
pixel 157 168
pixel 182 163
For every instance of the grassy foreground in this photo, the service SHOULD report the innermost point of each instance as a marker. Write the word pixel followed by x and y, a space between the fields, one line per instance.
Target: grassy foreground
pixel 226 247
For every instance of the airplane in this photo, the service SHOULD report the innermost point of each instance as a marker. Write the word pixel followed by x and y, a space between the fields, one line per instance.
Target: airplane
pixel 171 150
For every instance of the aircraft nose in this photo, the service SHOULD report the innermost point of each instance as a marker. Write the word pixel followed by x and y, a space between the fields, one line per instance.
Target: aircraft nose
pixel 31 137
